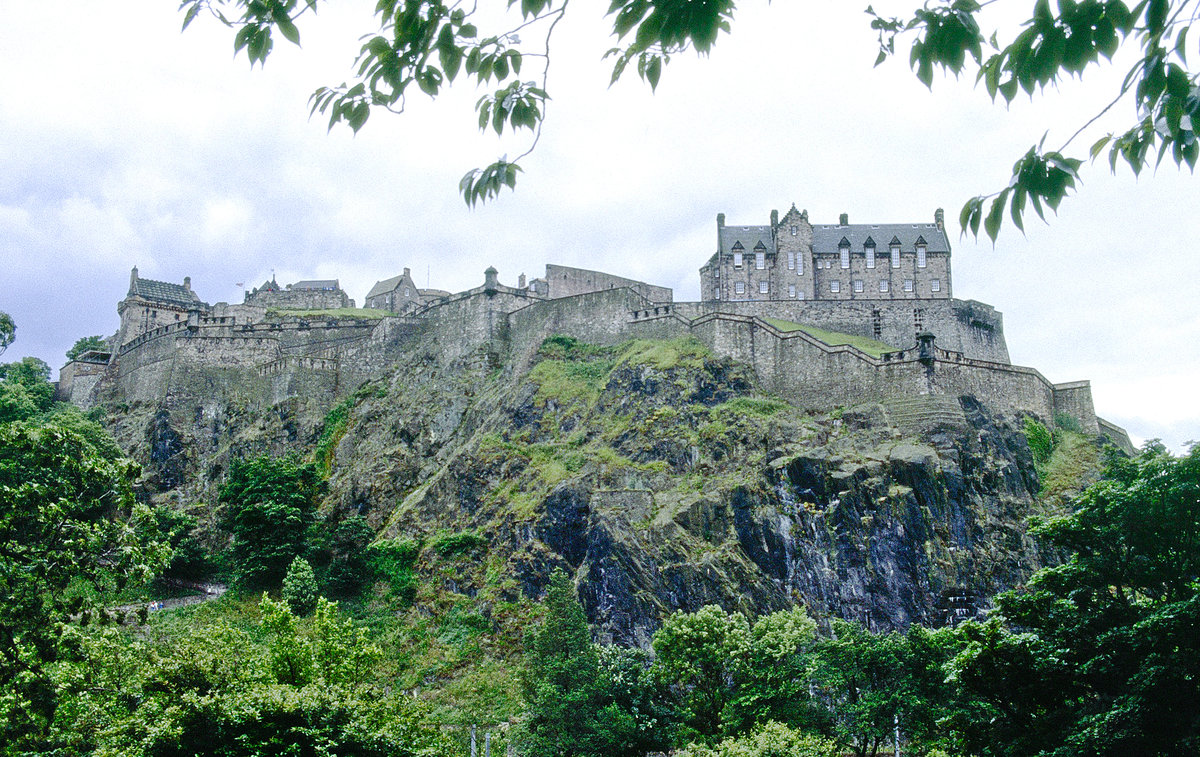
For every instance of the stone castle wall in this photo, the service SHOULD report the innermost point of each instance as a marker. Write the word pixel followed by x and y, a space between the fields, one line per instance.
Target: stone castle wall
pixel 564 281
pixel 966 326
pixel 300 299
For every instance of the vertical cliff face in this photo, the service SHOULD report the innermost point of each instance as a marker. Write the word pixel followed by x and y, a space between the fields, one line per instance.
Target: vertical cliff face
pixel 661 476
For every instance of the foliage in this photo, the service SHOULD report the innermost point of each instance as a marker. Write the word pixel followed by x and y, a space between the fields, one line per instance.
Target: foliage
pixel 730 674
pixel 8 331
pixel 343 554
pixel 269 508
pixel 1098 655
pixel 84 344
pixel 576 706
pixel 1054 44
pixel 300 592
pixel 771 739
pixel 66 515
pixel 1041 444
pixel 461 543
pixel 280 686
pixel 393 560
pixel 25 382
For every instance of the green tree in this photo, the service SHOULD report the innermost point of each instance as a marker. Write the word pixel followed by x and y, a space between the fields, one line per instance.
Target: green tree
pixel 578 707
pixel 562 670
pixel 84 344
pixel 67 515
pixel 771 739
pixel 730 674
pixel 8 331
pixel 269 509
pixel 424 45
pixel 344 554
pixel 1098 655
pixel 32 376
pixel 300 591
pixel 218 688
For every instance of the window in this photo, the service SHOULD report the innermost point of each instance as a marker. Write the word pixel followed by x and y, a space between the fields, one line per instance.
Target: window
pixel 896 256
pixel 935 285
pixel 795 230
pixel 791 261
pixel 791 290
pixel 737 260
pixel 835 286
pixel 760 260
pixel 762 287
pixel 800 295
pixel 845 257
pixel 739 287
pixel 870 251
pixel 716 273
pixel 717 294
pixel 858 285
pixel 799 265
pixel 920 256
pixel 406 291
pixel 883 285
pixel 908 285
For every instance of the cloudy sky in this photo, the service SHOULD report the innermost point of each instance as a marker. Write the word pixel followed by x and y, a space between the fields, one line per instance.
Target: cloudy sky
pixel 124 142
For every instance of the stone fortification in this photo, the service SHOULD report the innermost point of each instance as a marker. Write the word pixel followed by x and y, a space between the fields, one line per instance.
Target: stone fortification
pixel 264 355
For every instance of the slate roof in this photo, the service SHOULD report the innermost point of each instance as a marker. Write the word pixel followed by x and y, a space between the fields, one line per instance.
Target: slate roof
pixel 316 284
pixel 385 286
pixel 163 291
pixel 749 236
pixel 826 237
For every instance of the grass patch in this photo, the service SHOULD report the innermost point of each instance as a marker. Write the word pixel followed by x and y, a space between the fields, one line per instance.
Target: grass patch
pixel 665 354
pixel 757 407
pixel 367 314
pixel 457 544
pixel 1073 464
pixel 834 338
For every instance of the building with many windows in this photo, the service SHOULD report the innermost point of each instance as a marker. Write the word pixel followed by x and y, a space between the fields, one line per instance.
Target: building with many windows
pixel 791 259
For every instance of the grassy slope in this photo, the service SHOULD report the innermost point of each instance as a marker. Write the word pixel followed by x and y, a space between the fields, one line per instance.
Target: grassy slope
pixel 834 338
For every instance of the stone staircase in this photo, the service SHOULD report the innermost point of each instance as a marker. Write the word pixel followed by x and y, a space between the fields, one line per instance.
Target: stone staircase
pixel 925 413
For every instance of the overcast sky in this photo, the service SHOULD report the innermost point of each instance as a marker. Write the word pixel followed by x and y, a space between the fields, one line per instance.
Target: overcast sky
pixel 123 142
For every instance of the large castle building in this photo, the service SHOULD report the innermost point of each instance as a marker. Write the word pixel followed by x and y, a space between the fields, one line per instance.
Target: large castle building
pixel 791 259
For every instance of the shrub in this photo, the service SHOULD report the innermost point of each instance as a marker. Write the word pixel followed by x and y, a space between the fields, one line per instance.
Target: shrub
pixel 300 587
pixel 1041 443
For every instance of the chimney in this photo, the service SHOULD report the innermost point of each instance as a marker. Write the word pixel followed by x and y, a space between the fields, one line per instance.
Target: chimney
pixel 720 220
pixel 939 217
pixel 774 218
pixel 521 281
pixel 844 219
pixel 187 283
pixel 407 273
pixel 133 277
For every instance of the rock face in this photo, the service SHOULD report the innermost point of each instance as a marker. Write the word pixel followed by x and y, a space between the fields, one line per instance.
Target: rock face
pixel 657 474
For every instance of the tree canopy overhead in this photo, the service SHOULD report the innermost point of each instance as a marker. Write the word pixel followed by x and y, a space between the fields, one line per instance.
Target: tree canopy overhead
pixel 424 46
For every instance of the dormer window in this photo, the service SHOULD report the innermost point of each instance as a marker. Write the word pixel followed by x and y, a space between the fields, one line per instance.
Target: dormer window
pixel 895 256
pixel 760 260
pixel 844 250
pixel 920 256
pixel 869 251
pixel 737 260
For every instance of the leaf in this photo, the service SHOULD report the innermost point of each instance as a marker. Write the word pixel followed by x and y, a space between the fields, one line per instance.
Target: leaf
pixel 190 15
pixel 285 25
pixel 653 71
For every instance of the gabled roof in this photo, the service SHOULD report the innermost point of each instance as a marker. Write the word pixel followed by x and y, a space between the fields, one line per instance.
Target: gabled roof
pixel 828 237
pixel 316 284
pixel 162 291
pixel 385 286
pixel 749 237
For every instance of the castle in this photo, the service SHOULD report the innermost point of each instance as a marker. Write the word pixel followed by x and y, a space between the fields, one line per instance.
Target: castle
pixel 827 315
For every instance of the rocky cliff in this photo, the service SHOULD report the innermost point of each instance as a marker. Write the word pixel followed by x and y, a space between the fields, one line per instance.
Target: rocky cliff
pixel 657 473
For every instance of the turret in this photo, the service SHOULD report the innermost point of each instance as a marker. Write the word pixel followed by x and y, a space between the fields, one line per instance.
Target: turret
pixel 133 277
